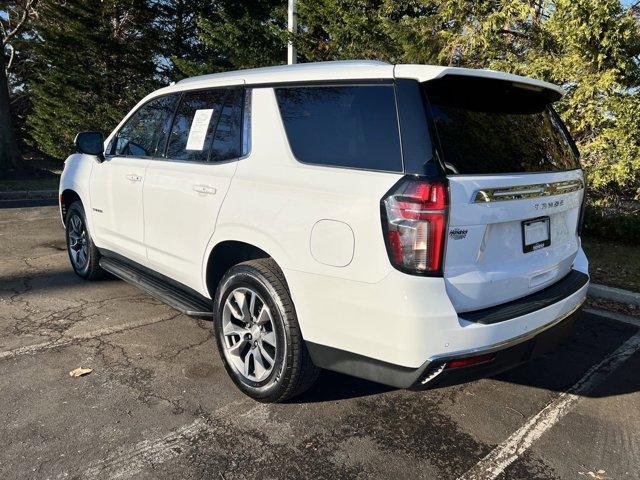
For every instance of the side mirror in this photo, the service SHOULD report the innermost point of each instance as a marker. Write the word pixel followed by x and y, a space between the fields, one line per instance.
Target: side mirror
pixel 90 143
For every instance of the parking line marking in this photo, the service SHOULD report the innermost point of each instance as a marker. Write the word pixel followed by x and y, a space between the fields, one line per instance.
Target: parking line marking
pixel 507 452
pixel 147 452
pixel 128 462
pixel 62 342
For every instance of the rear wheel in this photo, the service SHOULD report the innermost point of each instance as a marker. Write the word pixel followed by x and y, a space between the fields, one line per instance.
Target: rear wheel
pixel 258 335
pixel 83 254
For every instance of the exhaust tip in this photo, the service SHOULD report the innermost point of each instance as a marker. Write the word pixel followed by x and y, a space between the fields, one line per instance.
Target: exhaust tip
pixel 433 374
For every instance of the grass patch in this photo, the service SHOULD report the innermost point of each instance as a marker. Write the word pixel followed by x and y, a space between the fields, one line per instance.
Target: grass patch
pixel 612 263
pixel 39 173
pixel 48 183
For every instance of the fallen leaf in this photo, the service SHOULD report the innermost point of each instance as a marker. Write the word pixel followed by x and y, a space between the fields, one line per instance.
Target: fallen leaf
pixel 598 475
pixel 79 372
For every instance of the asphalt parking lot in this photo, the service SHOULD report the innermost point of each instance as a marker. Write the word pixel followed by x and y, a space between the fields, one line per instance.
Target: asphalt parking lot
pixel 159 404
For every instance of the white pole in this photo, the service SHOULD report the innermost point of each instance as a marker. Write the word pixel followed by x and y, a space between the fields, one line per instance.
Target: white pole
pixel 293 28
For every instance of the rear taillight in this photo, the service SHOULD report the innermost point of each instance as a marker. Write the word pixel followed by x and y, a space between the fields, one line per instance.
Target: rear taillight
pixel 414 215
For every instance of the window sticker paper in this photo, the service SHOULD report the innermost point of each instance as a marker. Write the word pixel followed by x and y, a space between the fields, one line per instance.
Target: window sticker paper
pixel 199 129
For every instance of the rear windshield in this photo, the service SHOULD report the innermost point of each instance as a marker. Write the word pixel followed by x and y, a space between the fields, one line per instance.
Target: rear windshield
pixel 489 126
pixel 352 126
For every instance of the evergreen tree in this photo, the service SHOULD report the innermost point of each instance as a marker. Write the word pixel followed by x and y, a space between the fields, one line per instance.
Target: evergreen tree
pixel 99 57
pixel 244 34
pixel 592 48
pixel 181 53
pixel 343 30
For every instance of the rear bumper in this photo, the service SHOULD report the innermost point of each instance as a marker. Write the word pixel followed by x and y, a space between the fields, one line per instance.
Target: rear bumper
pixel 502 357
pixel 567 286
pixel 399 331
pixel 435 372
pixel 405 320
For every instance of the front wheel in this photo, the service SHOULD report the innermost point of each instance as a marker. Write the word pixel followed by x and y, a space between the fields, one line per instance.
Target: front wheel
pixel 258 335
pixel 83 254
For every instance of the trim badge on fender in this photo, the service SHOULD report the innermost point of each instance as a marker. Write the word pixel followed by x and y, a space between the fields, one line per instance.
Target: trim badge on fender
pixel 458 233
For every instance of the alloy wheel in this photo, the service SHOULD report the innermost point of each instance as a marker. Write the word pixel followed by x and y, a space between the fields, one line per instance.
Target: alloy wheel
pixel 249 338
pixel 78 247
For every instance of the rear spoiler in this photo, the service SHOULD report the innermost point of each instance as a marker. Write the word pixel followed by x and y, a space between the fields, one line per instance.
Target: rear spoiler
pixel 424 73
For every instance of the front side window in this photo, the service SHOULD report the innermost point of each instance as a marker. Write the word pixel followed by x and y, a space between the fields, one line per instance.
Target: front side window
pixel 142 134
pixel 348 126
pixel 207 126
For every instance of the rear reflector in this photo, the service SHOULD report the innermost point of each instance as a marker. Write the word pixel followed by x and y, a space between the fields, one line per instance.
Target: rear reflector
pixel 466 362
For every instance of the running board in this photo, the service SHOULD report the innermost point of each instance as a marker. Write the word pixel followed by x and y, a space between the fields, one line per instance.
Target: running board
pixel 173 296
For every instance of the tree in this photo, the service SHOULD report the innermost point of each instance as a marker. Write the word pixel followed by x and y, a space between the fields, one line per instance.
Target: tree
pixel 242 34
pixel 343 30
pixel 594 51
pixel 181 52
pixel 99 57
pixel 12 26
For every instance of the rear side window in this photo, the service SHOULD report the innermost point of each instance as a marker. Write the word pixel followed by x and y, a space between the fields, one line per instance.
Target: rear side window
pixel 490 126
pixel 142 134
pixel 207 126
pixel 346 126
pixel 227 139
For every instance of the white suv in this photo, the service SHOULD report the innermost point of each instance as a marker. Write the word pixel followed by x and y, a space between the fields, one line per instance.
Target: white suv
pixel 412 225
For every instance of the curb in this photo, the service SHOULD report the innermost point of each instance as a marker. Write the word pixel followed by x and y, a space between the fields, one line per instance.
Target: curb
pixel 615 294
pixel 29 195
pixel 618 317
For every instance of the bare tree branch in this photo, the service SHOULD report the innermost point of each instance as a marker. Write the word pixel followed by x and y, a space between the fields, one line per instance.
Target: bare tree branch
pixel 3 31
pixel 27 9
pixel 11 56
pixel 506 31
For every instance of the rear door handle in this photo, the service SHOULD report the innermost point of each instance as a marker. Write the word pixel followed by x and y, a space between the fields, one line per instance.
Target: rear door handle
pixel 132 177
pixel 206 189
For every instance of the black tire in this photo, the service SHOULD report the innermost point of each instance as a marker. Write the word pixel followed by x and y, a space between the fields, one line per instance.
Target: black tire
pixel 292 372
pixel 90 268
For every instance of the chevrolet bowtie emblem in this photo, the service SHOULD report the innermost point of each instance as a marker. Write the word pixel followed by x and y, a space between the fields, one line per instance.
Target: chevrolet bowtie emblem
pixel 521 192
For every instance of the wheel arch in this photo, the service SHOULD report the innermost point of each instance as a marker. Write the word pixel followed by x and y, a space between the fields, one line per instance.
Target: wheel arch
pixel 253 241
pixel 225 255
pixel 67 197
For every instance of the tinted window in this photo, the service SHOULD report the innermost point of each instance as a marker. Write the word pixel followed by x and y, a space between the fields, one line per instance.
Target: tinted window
pixel 142 135
pixel 227 139
pixel 246 123
pixel 489 126
pixel 207 126
pixel 349 126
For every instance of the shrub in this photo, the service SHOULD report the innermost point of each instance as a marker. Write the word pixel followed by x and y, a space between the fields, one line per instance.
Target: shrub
pixel 620 224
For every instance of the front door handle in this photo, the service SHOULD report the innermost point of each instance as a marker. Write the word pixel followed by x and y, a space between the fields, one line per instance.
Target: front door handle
pixel 132 177
pixel 206 189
